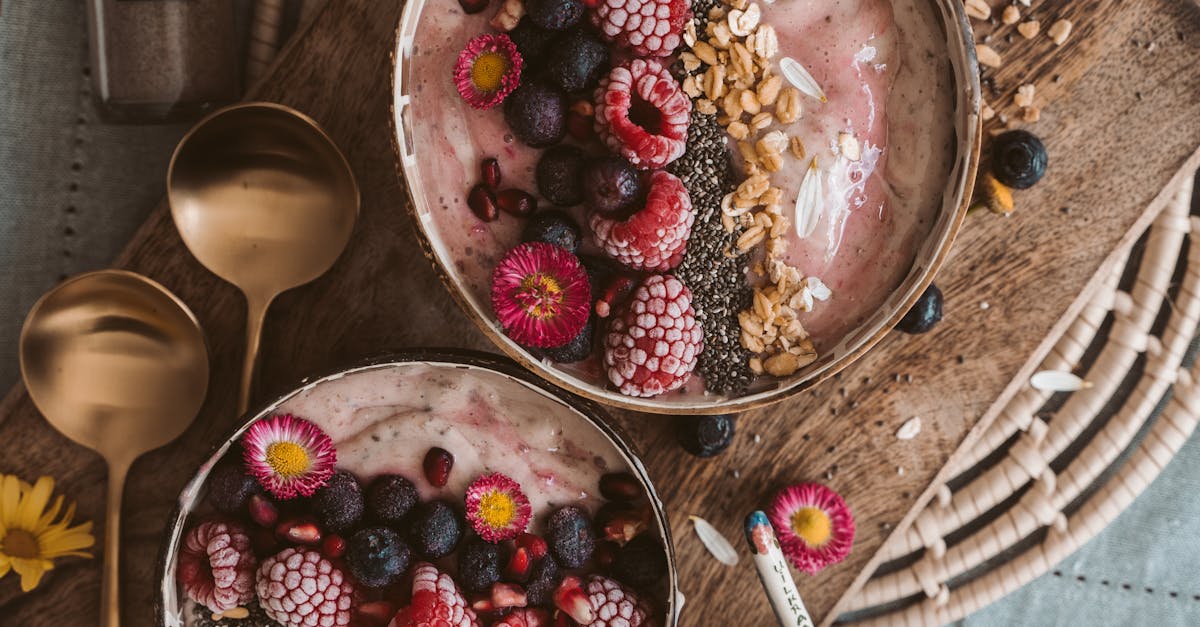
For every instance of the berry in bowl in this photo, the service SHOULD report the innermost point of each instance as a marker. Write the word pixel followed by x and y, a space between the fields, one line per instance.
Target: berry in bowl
pixel 686 206
pixel 427 486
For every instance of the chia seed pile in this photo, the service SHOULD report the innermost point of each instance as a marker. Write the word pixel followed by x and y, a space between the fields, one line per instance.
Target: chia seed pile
pixel 202 617
pixel 717 281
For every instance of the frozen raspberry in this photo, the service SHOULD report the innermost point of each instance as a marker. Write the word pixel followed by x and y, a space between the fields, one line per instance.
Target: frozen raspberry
pixel 654 238
pixel 614 605
pixel 642 113
pixel 216 566
pixel 650 28
pixel 436 602
pixel 299 588
pixel 525 617
pixel 652 347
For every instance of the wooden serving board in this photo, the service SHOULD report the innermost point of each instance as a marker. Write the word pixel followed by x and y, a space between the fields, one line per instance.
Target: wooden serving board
pixel 1120 121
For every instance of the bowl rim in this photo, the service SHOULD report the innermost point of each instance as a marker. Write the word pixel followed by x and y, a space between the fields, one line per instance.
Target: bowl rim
pixel 962 186
pixel 591 411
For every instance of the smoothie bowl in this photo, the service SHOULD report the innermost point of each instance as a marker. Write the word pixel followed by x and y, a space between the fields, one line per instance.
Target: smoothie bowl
pixel 426 484
pixel 686 206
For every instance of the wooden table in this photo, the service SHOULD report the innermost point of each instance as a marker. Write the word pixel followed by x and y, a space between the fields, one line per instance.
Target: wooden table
pixel 1121 119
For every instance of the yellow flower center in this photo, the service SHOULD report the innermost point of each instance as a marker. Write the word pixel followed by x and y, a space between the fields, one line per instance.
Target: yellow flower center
pixel 20 544
pixel 540 295
pixel 287 459
pixel 812 525
pixel 487 73
pixel 497 509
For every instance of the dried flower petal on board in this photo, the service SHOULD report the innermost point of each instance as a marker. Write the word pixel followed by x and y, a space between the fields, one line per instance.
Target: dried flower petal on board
pixel 798 76
pixel 1057 381
pixel 909 429
pixel 715 542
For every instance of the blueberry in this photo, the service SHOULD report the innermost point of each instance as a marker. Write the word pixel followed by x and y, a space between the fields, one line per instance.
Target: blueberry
pixel 339 504
pixel 531 41
pixel 554 14
pixel 377 557
pixel 641 562
pixel 611 185
pixel 553 227
pixel 229 487
pixel 925 313
pixel 390 498
pixel 478 565
pixel 705 436
pixel 577 349
pixel 1018 159
pixel 569 533
pixel 434 529
pixel 559 174
pixel 543 579
pixel 537 114
pixel 578 60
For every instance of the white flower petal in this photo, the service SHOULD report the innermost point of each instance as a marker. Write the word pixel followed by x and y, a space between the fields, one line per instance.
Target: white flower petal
pixel 1057 381
pixel 799 77
pixel 809 201
pixel 819 290
pixel 909 429
pixel 715 542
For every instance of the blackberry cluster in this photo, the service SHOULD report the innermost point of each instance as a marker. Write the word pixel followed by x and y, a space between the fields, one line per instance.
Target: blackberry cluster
pixel 717 282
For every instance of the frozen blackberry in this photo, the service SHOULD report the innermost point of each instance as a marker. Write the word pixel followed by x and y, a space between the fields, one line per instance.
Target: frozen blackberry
pixel 229 487
pixel 553 227
pixel 543 579
pixel 705 436
pixel 925 313
pixel 569 533
pixel 434 529
pixel 478 565
pixel 554 14
pixel 640 563
pixel 377 557
pixel 578 60
pixel 536 114
pixel 390 498
pixel 531 41
pixel 559 172
pixel 611 185
pixel 339 504
pixel 577 349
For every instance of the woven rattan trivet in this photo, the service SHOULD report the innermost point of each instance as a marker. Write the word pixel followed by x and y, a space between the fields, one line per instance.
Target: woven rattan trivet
pixel 1055 468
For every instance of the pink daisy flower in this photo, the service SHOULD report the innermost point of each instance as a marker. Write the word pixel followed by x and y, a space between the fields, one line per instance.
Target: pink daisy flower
pixel 289 456
pixel 814 526
pixel 488 70
pixel 541 294
pixel 496 508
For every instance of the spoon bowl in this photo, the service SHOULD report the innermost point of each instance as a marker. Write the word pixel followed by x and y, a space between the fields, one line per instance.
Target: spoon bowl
pixel 265 200
pixel 118 364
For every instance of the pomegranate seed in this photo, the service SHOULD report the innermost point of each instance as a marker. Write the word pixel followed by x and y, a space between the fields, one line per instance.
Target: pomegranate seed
pixel 573 601
pixel 613 295
pixel 534 544
pixel 482 203
pixel 620 486
pixel 377 613
pixel 482 603
pixel 508 595
pixel 263 511
pixel 489 170
pixel 516 202
pixel 438 462
pixel 562 620
pixel 621 523
pixel 519 565
pixel 333 546
pixel 299 531
pixel 473 6
pixel 580 126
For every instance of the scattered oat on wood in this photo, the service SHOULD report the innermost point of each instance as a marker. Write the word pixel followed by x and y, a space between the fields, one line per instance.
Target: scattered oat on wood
pixel 1060 31
pixel 988 55
pixel 1029 29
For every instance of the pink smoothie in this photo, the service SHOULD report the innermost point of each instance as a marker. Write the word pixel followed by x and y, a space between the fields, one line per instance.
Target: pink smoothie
pixel 887 78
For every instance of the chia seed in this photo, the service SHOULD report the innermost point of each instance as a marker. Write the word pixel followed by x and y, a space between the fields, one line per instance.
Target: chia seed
pixel 717 282
pixel 700 9
pixel 202 617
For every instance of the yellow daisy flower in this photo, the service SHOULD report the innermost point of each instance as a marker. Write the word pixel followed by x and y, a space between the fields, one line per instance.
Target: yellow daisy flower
pixel 30 538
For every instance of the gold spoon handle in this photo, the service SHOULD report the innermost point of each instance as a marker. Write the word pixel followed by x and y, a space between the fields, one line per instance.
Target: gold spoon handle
pixel 256 312
pixel 110 598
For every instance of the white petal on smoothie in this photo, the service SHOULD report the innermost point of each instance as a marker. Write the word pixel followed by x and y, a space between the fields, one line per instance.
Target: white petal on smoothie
pixel 799 77
pixel 809 201
pixel 819 290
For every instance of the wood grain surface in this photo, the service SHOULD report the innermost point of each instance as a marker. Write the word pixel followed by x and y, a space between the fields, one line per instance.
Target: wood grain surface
pixel 1121 119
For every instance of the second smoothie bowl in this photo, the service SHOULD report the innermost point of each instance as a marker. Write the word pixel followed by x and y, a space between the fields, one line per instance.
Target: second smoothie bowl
pixel 686 206
pixel 428 484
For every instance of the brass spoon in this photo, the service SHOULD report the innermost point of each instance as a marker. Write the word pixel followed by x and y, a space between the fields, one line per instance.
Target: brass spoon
pixel 118 364
pixel 265 200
